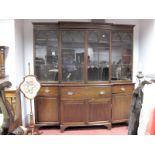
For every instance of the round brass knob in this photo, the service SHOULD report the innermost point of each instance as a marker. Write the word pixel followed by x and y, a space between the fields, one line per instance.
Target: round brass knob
pixel 70 93
pixel 123 89
pixel 47 90
pixel 102 92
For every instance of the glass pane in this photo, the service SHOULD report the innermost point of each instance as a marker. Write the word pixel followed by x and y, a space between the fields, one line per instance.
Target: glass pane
pixel 98 56
pixel 72 55
pixel 46 58
pixel 121 56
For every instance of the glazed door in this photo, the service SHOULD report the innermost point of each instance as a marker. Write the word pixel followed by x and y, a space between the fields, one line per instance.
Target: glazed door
pixel 46 55
pixel 122 45
pixel 98 55
pixel 72 53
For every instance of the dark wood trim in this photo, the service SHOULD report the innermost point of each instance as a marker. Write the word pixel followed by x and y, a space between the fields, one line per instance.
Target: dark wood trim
pixel 110 57
pixel 85 58
pixel 45 26
pixel 81 25
pixel 18 107
pixel 130 83
pixel 82 85
pixel 59 58
pixel 34 53
pixel 132 53
pixel 122 27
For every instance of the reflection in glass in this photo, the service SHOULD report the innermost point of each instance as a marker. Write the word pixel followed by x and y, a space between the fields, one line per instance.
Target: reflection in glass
pixel 46 58
pixel 98 56
pixel 121 55
pixel 72 55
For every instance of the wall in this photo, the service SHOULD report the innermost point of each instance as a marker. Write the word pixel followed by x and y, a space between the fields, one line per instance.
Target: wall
pixel 19 63
pixel 11 35
pixel 19 50
pixel 7 38
pixel 147 46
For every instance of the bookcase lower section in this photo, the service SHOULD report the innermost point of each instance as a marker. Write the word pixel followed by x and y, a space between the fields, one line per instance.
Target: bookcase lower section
pixel 83 105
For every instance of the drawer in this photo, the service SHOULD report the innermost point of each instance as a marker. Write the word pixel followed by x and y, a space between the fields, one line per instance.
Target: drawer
pixel 99 101
pixel 10 93
pixel 48 91
pixel 95 92
pixel 77 93
pixel 122 89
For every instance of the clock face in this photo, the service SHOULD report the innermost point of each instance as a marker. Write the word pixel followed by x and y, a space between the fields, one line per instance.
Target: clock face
pixel 30 86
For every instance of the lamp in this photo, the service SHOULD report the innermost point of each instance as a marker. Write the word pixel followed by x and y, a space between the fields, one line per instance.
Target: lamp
pixel 139 76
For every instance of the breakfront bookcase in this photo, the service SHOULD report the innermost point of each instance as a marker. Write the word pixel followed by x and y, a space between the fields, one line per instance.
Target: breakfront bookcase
pixel 85 70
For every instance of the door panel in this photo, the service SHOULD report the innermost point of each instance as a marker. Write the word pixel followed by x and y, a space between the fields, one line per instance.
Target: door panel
pixel 46 109
pixel 99 111
pixel 73 111
pixel 120 107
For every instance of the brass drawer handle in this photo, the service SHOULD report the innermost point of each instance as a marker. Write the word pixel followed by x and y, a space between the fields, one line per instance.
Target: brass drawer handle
pixel 47 90
pixel 102 92
pixel 70 93
pixel 123 89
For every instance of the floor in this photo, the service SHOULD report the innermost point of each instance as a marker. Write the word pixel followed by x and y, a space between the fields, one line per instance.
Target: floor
pixel 119 129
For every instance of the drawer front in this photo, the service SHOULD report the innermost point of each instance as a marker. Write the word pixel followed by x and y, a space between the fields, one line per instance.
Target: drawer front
pixel 48 91
pixel 100 101
pixel 97 92
pixel 10 93
pixel 77 93
pixel 122 89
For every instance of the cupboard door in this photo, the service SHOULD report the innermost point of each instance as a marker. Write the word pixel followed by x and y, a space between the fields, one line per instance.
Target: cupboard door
pixel 73 112
pixel 120 107
pixel 46 110
pixel 100 111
